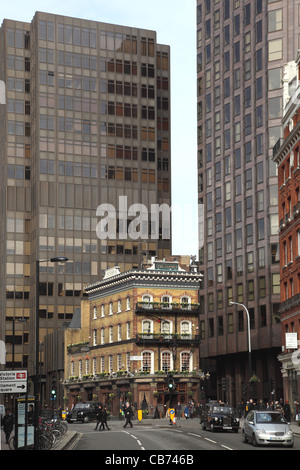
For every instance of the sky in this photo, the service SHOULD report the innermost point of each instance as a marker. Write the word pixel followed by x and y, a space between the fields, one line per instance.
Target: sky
pixel 175 24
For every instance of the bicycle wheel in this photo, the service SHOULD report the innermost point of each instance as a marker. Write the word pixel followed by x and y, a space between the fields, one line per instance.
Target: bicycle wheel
pixel 63 427
pixel 56 434
pixel 45 443
pixel 12 443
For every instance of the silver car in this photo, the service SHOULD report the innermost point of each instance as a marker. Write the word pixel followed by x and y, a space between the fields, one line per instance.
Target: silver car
pixel 267 428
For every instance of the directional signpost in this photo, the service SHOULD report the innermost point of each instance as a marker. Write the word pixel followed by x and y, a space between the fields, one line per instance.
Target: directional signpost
pixel 13 381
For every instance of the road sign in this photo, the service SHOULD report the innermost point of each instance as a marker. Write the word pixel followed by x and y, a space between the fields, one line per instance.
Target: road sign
pixel 13 381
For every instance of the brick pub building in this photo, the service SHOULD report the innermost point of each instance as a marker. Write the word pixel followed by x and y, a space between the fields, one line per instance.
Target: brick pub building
pixel 137 328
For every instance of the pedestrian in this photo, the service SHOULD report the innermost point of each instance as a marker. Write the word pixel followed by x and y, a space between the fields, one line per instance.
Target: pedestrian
pixel 178 410
pixel 186 411
pixel 99 417
pixel 104 420
pixel 287 411
pixel 8 424
pixel 128 415
pixel 261 405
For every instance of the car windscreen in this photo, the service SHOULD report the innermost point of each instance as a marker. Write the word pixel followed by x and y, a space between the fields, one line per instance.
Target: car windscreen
pixel 270 418
pixel 222 409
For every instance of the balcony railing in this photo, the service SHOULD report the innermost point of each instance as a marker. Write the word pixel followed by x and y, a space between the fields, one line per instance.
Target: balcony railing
pixel 142 307
pixel 167 338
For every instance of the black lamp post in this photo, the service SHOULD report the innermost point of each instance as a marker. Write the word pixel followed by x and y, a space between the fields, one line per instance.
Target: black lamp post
pixel 57 259
pixel 249 342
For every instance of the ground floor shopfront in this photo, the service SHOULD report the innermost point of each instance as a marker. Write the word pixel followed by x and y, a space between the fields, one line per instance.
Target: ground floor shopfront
pixel 236 383
pixel 291 379
pixel 144 392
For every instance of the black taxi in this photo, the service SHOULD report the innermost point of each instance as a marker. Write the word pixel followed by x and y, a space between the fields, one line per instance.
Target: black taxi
pixel 84 412
pixel 219 416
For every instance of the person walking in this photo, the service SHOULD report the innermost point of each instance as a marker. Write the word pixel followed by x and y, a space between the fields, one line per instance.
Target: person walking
pixel 178 410
pixel 99 417
pixel 287 411
pixel 104 420
pixel 8 424
pixel 128 415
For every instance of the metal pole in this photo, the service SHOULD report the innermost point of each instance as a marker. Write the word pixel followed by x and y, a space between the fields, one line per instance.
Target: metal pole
pixel 249 337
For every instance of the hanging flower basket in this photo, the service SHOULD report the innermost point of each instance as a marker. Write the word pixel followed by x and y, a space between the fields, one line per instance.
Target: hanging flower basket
pixel 254 379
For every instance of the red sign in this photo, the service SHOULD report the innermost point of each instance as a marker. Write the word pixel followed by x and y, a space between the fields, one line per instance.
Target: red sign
pixel 21 375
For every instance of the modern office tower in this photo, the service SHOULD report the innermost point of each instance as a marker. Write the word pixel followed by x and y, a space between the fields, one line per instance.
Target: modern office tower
pixel 242 46
pixel 86 122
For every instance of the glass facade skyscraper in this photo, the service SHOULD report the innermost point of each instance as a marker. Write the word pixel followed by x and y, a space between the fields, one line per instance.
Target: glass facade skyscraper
pixel 86 121
pixel 242 46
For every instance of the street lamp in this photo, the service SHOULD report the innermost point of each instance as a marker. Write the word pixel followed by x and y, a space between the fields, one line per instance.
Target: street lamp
pixel 249 337
pixel 57 259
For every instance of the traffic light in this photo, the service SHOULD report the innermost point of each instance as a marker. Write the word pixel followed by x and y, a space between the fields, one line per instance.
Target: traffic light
pixel 170 383
pixel 53 390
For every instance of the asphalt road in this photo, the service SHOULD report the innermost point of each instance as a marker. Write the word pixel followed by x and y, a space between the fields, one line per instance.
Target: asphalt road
pixel 158 435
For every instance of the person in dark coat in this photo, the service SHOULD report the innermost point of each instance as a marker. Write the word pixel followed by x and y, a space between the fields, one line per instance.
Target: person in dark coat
pixel 99 417
pixel 104 420
pixel 128 415
pixel 8 424
pixel 287 411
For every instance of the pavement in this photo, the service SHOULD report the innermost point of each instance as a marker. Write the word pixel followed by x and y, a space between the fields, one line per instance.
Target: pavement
pixel 69 440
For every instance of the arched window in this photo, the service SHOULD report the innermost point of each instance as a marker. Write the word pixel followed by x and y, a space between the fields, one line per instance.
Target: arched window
pixel 147 328
pixel 166 329
pixel 147 299
pixel 147 361
pixel 185 303
pixel 166 301
pixel 94 337
pixel 166 361
pixel 110 364
pixel 111 334
pixel 186 361
pixel 102 310
pixel 186 330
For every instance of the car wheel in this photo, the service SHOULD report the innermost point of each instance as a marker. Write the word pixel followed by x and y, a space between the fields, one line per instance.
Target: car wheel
pixel 86 419
pixel 244 438
pixel 212 428
pixel 254 441
pixel 203 426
